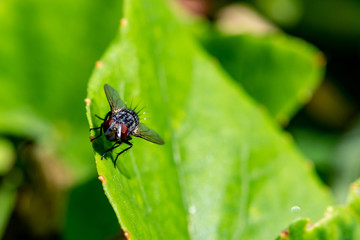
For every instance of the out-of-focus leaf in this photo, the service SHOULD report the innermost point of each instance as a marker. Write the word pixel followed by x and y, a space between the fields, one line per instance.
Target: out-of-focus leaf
pixel 48 50
pixel 318 146
pixel 90 218
pixel 225 170
pixel 7 156
pixel 279 71
pixel 315 144
pixel 283 12
pixel 7 201
pixel 317 22
pixel 25 124
pixel 346 161
pixel 8 187
pixel 339 222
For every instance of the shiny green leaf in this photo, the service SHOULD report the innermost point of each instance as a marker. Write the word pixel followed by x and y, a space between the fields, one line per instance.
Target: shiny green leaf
pixel 339 222
pixel 278 71
pixel 225 172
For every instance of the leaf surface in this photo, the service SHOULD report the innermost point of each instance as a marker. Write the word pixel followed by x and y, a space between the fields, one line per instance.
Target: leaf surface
pixel 48 50
pixel 339 222
pixel 225 171
pixel 278 71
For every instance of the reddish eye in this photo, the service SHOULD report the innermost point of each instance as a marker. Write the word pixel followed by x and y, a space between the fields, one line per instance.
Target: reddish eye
pixel 107 124
pixel 124 131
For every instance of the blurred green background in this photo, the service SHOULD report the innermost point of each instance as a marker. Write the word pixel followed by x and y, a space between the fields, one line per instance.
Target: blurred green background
pixel 48 49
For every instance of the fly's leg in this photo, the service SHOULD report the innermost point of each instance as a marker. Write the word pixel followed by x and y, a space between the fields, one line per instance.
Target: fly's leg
pixel 130 146
pixel 104 119
pixel 101 126
pixel 117 144
pixel 101 130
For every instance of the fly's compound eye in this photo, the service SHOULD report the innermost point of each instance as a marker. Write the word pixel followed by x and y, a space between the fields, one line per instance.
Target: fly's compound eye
pixel 107 124
pixel 124 131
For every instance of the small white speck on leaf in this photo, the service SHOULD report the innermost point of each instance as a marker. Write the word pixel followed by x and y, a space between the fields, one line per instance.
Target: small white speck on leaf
pixel 192 210
pixel 295 209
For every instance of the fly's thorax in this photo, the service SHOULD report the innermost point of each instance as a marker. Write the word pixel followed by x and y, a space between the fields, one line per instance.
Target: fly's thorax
pixel 128 117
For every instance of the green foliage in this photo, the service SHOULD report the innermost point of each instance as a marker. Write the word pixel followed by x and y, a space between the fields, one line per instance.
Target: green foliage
pixel 7 156
pixel 7 190
pixel 283 12
pixel 7 201
pixel 346 161
pixel 340 222
pixel 43 101
pixel 225 171
pixel 48 50
pixel 90 218
pixel 278 71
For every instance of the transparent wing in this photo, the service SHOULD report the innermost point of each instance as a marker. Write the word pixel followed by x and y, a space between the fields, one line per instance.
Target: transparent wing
pixel 148 134
pixel 113 97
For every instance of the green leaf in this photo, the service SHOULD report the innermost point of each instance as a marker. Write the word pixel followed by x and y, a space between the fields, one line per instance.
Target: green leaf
pixel 56 45
pixel 225 171
pixel 7 201
pixel 7 156
pixel 319 146
pixel 8 187
pixel 48 50
pixel 283 12
pixel 279 71
pixel 339 222
pixel 346 161
pixel 89 219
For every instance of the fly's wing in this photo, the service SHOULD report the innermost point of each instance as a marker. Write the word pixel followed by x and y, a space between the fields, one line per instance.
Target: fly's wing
pixel 148 134
pixel 113 98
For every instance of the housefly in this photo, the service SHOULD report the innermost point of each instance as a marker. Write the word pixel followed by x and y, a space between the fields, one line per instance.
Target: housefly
pixel 121 123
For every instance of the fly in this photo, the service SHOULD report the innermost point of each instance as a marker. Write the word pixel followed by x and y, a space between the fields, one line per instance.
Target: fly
pixel 121 123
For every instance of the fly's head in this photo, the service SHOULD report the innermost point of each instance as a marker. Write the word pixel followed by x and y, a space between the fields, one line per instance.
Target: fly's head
pixel 111 130
pixel 114 131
